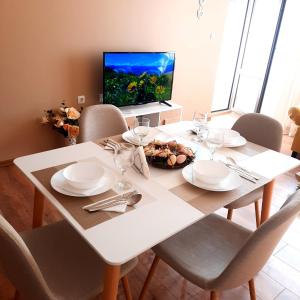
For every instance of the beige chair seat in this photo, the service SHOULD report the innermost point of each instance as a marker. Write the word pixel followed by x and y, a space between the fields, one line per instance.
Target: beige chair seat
pixel 71 268
pixel 246 200
pixel 264 131
pixel 200 253
pixel 217 254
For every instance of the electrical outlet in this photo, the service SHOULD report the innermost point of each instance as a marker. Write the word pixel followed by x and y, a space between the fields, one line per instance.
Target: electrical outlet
pixel 81 99
pixel 101 98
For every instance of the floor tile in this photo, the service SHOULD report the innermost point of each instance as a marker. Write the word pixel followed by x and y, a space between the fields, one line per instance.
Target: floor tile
pixel 287 295
pixel 290 255
pixel 279 246
pixel 291 237
pixel 266 287
pixel 240 293
pixel 283 274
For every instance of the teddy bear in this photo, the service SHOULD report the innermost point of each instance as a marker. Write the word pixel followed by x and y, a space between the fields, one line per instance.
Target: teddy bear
pixel 294 114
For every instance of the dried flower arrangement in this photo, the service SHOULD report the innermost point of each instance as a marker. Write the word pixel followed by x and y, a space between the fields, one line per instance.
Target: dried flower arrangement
pixel 64 120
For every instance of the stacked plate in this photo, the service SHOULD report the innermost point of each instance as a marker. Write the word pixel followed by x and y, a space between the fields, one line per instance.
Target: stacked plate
pixel 129 137
pixel 233 139
pixel 83 179
pixel 211 175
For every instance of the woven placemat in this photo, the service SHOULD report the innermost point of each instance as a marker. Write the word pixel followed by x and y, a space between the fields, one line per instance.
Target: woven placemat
pixel 74 204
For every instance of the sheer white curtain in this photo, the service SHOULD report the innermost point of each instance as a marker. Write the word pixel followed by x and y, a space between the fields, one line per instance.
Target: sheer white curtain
pixel 283 89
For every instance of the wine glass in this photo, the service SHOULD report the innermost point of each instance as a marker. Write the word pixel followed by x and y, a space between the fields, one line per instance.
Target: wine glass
pixel 141 129
pixel 200 124
pixel 215 140
pixel 124 158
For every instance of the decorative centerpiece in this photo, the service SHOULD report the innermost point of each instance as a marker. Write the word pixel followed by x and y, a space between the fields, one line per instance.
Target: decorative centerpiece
pixel 168 155
pixel 64 120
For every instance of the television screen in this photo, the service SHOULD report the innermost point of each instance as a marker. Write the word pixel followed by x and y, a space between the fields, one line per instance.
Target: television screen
pixel 137 77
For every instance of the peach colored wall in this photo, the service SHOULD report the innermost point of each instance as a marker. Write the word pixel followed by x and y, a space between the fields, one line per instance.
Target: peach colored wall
pixel 52 50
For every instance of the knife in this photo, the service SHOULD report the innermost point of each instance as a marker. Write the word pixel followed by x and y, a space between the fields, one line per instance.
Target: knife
pixel 242 173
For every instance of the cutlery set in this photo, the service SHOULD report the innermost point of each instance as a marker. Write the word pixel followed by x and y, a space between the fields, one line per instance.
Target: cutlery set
pixel 110 144
pixel 244 173
pixel 129 198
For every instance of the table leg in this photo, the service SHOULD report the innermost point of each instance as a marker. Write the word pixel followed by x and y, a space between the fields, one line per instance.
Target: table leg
pixel 111 282
pixel 38 209
pixel 266 201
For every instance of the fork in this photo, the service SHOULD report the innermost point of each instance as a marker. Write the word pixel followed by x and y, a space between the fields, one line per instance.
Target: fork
pixel 113 143
pixel 110 200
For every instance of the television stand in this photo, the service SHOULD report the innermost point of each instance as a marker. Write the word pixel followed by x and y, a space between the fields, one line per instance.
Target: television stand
pixel 158 113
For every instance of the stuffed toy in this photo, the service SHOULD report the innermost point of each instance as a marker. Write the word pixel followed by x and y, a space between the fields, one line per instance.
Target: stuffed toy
pixel 294 114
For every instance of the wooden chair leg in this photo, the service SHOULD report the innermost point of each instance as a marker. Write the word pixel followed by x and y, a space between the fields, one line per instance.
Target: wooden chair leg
pixel 17 296
pixel 257 213
pixel 252 289
pixel 229 214
pixel 149 277
pixel 38 209
pixel 214 295
pixel 126 288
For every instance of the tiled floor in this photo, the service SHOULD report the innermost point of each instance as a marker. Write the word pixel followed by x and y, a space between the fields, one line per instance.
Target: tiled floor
pixel 279 279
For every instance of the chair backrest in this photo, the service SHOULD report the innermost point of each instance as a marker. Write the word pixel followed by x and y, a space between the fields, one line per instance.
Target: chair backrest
pixel 101 120
pixel 260 129
pixel 259 246
pixel 19 265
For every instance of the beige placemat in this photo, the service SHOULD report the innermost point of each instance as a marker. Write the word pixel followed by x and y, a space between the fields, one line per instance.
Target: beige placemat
pixel 250 149
pixel 74 204
pixel 210 201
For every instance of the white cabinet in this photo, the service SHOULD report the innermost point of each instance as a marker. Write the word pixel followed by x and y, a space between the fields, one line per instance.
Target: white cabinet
pixel 159 114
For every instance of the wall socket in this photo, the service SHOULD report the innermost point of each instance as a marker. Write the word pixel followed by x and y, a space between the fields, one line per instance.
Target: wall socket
pixel 81 99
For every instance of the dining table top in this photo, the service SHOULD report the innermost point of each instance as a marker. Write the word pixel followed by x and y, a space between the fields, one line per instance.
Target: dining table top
pixel 169 203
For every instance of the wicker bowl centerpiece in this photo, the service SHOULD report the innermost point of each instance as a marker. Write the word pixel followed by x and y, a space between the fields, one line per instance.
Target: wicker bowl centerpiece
pixel 168 155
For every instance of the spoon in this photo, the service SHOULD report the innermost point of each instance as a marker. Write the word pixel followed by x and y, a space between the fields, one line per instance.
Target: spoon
pixel 130 201
pixel 233 161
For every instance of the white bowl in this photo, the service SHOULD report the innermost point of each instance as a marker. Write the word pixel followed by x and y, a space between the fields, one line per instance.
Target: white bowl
pixel 210 171
pixel 83 175
pixel 230 136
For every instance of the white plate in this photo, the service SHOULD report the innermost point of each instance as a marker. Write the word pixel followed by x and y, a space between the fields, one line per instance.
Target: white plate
pixel 236 142
pixel 232 182
pixel 128 137
pixel 60 184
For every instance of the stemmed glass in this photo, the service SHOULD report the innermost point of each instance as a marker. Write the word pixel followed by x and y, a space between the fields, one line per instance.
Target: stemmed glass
pixel 141 129
pixel 200 123
pixel 215 140
pixel 124 158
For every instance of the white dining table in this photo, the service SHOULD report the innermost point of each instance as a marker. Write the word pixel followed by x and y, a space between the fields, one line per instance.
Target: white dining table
pixel 161 213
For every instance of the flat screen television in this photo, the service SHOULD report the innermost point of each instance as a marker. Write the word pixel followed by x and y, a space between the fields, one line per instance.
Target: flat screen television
pixel 132 78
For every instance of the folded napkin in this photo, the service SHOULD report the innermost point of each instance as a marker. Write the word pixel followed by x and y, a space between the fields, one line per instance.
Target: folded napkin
pixel 118 205
pixel 140 162
pixel 121 208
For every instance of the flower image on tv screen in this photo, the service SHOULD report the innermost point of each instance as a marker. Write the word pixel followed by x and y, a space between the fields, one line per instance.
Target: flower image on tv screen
pixel 136 78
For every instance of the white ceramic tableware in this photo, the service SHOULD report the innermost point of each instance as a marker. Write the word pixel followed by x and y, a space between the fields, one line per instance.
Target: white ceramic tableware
pixel 210 171
pixel 232 182
pixel 235 142
pixel 60 184
pixel 83 175
pixel 130 138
